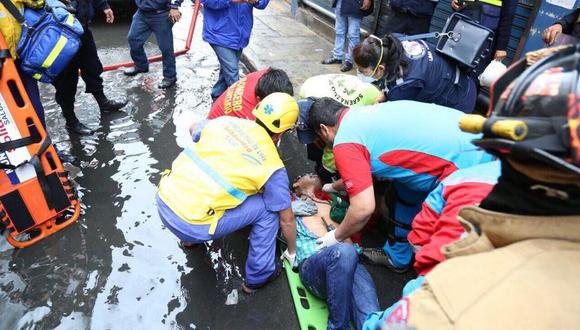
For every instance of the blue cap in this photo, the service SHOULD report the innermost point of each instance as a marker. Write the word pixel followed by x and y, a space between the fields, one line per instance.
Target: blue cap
pixel 305 133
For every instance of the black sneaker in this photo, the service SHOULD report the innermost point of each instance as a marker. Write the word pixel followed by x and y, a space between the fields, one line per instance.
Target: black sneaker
pixel 377 256
pixel 347 66
pixel 331 60
pixel 251 288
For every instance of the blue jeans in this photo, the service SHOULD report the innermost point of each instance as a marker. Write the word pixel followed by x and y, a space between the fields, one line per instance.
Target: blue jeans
pixel 335 274
pixel 142 25
pixel 261 257
pixel 229 72
pixel 345 26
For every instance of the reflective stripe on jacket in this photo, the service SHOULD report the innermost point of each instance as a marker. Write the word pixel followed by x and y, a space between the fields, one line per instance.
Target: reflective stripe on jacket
pixel 233 159
pixel 497 3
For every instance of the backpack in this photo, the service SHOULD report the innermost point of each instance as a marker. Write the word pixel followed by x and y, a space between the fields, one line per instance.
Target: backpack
pixel 50 39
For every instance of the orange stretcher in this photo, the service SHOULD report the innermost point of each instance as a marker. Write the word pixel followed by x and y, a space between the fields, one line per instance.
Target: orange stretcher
pixel 36 197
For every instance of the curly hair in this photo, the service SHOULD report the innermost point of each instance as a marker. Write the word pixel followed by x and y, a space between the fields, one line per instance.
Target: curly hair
pixel 367 54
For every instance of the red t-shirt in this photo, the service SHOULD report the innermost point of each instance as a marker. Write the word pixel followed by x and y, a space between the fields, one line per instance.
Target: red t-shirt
pixel 353 162
pixel 239 99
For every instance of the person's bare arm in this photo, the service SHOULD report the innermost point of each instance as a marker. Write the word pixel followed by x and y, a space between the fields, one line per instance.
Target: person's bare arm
pixel 362 206
pixel 288 227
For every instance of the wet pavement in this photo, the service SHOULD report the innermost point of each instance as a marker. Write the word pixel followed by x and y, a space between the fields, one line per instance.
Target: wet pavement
pixel 118 268
pixel 281 41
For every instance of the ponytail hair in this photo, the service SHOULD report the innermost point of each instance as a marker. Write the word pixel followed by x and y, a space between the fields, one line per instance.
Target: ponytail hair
pixel 368 52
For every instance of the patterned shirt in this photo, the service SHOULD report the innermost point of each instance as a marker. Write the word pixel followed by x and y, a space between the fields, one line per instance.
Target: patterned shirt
pixel 305 242
pixel 306 245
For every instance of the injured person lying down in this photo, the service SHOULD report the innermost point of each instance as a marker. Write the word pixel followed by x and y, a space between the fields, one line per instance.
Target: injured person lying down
pixel 333 273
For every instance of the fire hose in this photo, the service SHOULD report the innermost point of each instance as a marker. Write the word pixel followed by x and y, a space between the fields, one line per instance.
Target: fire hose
pixel 177 52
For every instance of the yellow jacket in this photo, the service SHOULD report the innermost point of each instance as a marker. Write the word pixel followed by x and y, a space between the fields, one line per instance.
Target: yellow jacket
pixel 512 272
pixel 9 26
pixel 233 159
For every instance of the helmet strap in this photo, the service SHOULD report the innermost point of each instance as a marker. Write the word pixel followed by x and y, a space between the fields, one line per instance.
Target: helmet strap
pixel 516 193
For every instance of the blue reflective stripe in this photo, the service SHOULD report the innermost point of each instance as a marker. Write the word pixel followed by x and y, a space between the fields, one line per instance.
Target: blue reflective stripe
pixel 214 175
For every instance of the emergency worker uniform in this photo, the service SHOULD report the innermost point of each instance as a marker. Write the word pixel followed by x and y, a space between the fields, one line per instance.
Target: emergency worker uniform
pixel 416 145
pixel 437 225
pixel 230 177
pixel 431 78
pixel 509 272
pixel 497 15
pixel 239 99
pixel 409 17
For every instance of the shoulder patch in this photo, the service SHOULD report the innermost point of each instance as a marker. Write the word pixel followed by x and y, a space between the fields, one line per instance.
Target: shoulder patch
pixel 414 49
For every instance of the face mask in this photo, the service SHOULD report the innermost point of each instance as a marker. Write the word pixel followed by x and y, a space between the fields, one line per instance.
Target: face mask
pixel 366 79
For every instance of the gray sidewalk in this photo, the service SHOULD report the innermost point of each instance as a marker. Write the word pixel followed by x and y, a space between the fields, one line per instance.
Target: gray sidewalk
pixel 281 41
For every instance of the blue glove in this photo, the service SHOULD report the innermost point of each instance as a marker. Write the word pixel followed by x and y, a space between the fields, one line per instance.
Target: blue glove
pixel 304 207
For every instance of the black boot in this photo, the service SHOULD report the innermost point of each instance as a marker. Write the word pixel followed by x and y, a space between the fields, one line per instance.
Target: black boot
pixel 79 128
pixel 107 105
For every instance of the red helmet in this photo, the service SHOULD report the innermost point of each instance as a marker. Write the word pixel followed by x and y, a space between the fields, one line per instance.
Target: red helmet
pixel 546 98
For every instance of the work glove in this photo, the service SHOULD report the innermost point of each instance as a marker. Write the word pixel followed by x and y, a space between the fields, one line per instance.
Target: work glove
pixel 304 207
pixel 328 188
pixel 327 240
pixel 291 257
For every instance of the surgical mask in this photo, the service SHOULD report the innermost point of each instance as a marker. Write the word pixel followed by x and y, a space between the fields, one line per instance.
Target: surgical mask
pixel 371 79
pixel 366 79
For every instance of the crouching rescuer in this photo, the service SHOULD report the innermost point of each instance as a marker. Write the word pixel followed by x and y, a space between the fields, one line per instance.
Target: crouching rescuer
pixel 230 176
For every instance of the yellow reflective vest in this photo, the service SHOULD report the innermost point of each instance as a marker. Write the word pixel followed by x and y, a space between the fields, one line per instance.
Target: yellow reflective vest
pixel 233 159
pixel 9 26
pixel 497 3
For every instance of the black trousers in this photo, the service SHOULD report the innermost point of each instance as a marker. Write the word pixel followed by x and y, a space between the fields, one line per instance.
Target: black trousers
pixel 87 61
pixel 405 23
